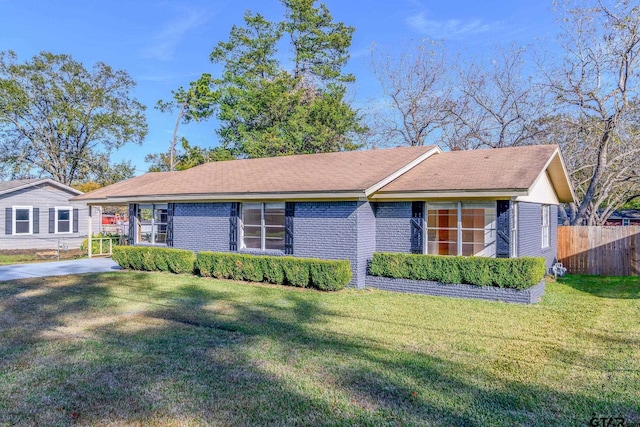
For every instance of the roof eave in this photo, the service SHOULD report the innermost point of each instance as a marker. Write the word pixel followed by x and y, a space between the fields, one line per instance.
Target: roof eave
pixel 227 197
pixel 450 194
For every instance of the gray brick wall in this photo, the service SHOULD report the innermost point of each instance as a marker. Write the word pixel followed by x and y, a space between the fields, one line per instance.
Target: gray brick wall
pixel 393 227
pixel 326 230
pixel 201 226
pixel 530 232
pixel 366 235
pixel 527 296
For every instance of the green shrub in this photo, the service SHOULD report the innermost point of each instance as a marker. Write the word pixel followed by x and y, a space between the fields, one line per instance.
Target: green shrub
pixel 296 271
pixel 329 275
pixel 273 271
pixel 301 272
pixel 516 273
pixel 152 258
pixel 121 256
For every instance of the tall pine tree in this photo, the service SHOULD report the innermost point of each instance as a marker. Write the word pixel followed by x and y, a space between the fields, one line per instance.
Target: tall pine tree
pixel 266 110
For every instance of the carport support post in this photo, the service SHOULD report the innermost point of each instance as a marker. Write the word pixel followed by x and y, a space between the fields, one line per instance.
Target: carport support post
pixel 89 240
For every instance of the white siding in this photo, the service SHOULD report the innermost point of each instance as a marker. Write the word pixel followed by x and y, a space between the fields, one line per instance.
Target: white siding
pixel 43 197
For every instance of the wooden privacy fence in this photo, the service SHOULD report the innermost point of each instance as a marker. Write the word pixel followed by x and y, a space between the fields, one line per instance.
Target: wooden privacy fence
pixel 600 250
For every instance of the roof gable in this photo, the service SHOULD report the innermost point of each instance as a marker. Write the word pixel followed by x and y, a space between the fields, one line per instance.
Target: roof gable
pixel 510 171
pixel 20 184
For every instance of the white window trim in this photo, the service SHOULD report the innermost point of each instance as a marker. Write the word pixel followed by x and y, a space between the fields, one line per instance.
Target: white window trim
pixel 263 228
pixel 425 228
pixel 545 239
pixel 626 222
pixel 64 208
pixel 13 231
pixel 153 223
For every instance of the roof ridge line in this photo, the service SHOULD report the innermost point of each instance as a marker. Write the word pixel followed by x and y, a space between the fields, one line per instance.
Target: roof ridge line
pixel 404 169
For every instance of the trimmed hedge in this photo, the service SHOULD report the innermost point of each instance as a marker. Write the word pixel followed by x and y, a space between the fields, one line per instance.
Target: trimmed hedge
pixel 515 273
pixel 326 275
pixel 152 258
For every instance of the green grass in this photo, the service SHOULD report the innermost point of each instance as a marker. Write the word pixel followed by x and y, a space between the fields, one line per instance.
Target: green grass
pixel 8 259
pixel 160 349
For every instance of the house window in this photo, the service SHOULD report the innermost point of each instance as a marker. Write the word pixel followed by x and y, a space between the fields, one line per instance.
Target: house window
pixel 152 224
pixel 545 226
pixel 461 229
pixel 64 219
pixel 22 220
pixel 626 221
pixel 263 226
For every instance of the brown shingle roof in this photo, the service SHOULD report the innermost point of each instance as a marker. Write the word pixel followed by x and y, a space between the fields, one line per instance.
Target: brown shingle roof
pixel 476 170
pixel 313 173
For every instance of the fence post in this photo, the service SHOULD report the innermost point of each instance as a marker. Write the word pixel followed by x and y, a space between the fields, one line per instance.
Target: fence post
pixel 90 243
pixel 101 245
pixel 110 245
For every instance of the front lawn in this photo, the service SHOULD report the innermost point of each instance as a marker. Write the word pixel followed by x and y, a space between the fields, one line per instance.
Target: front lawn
pixel 129 348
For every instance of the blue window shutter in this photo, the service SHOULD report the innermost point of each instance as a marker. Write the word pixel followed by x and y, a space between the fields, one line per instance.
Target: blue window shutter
pixel 76 219
pixel 233 226
pixel 52 220
pixel 132 224
pixel 502 229
pixel 36 220
pixel 417 227
pixel 8 221
pixel 289 211
pixel 170 210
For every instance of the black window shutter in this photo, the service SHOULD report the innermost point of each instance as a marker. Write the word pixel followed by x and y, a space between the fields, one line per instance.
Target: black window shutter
pixel 132 224
pixel 36 220
pixel 8 221
pixel 233 226
pixel 76 219
pixel 170 209
pixel 417 227
pixel 502 229
pixel 52 220
pixel 289 211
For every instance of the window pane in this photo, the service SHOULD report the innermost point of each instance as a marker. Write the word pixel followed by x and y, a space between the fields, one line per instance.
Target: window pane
pixel 22 227
pixel 63 215
pixel 252 236
pixel 63 226
pixel 436 248
pixel 274 233
pixel 146 213
pixel 161 216
pixel 160 234
pixel 145 233
pixel 274 214
pixel 274 243
pixel 22 214
pixel 252 214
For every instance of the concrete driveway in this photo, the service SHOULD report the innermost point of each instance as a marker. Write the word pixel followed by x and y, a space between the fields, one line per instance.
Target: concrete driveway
pixel 58 268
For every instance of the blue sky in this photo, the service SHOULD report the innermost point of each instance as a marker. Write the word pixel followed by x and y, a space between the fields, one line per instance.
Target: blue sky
pixel 166 44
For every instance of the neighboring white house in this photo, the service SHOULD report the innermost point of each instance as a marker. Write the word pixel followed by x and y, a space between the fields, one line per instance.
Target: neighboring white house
pixel 37 214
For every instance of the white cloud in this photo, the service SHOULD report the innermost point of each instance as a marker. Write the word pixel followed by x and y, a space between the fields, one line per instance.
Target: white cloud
pixel 450 28
pixel 163 45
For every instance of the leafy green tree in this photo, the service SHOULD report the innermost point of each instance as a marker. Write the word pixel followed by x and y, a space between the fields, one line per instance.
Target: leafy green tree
pixel 59 119
pixel 190 156
pixel 193 104
pixel 265 110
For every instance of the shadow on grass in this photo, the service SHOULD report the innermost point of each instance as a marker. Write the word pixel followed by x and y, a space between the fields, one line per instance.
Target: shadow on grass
pixel 616 287
pixel 196 354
